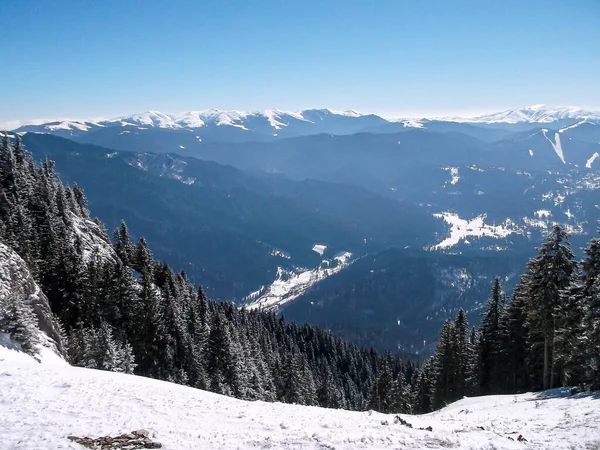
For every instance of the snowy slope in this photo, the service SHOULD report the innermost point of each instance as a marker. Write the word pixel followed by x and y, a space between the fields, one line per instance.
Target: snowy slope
pixel 42 404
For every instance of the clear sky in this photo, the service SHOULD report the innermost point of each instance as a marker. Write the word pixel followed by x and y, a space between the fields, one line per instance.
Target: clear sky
pixel 85 59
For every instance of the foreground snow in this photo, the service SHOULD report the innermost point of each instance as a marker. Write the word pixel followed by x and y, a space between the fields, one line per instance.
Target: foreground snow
pixel 40 405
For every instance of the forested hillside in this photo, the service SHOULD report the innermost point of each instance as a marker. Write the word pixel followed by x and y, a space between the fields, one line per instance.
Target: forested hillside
pixel 122 310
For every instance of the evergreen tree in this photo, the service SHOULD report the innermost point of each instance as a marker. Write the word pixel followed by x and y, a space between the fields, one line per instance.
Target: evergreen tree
pixel 20 323
pixel 123 246
pixel 463 352
pixel 514 350
pixel 548 274
pixel 491 340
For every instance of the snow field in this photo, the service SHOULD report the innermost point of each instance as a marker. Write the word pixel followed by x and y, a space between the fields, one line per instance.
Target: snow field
pixel 42 404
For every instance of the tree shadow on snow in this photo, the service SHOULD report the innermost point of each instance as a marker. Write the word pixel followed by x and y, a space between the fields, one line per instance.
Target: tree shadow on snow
pixel 566 392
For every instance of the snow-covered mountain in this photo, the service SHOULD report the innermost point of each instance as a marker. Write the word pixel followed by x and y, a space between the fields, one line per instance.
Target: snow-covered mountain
pixel 279 119
pixel 535 114
pixel 44 404
pixel 270 122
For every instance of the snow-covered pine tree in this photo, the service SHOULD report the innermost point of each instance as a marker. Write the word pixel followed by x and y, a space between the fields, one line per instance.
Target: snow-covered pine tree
pixel 514 349
pixel 491 340
pixel 18 320
pixel 463 352
pixel 548 274
pixel 591 313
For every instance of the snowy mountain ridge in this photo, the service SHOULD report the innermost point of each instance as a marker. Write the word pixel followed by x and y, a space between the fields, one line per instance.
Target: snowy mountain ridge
pixel 278 119
pixel 534 114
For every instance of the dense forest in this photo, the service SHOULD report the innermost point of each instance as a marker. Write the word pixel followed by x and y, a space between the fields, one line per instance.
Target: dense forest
pixel 122 310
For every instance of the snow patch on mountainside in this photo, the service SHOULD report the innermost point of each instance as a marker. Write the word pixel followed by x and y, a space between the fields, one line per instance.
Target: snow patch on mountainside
pixel 590 161
pixel 319 248
pixel 542 213
pixel 290 284
pixel 281 254
pixel 454 174
pixel 43 404
pixel 556 145
pixel 575 125
pixel 461 229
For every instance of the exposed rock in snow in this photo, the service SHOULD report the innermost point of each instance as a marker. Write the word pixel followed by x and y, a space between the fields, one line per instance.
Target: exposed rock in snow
pixel 16 282
pixel 92 239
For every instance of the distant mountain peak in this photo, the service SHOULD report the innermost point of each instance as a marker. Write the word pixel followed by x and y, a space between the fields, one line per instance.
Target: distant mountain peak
pixel 539 113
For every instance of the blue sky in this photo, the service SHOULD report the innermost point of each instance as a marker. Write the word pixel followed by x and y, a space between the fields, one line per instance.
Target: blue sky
pixel 83 59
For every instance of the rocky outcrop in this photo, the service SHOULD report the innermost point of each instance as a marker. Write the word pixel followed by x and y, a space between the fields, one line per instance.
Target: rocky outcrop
pixel 16 281
pixel 135 440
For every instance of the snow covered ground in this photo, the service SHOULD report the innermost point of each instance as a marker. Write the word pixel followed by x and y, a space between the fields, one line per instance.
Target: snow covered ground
pixel 40 405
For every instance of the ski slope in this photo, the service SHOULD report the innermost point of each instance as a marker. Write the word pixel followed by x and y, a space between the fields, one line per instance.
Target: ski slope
pixel 41 404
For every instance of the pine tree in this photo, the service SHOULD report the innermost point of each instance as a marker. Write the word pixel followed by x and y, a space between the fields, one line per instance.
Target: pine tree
pixel 18 320
pixel 463 352
pixel 445 367
pixel 381 399
pixel 590 338
pixel 569 345
pixel 491 340
pixel 473 363
pixel 123 246
pixel 423 388
pixel 514 339
pixel 548 274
